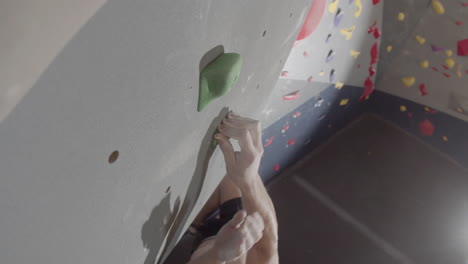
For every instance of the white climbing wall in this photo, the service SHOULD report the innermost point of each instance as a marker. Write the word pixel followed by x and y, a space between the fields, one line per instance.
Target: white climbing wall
pixel 127 81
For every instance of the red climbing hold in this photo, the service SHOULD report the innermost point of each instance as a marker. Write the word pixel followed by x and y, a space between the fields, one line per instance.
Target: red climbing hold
pixel 375 30
pixel 459 23
pixel 375 2
pixel 435 69
pixel 368 89
pixel 426 128
pixel 296 114
pixel 445 67
pixel 377 33
pixel 291 96
pixel 285 128
pixel 276 167
pixel 465 4
pixel 313 18
pixel 448 75
pixel 292 141
pixel 422 89
pixel 269 142
pixel 371 71
pixel 463 47
pixel 374 53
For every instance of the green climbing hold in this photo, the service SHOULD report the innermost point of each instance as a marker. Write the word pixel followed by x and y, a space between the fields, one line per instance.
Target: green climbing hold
pixel 218 78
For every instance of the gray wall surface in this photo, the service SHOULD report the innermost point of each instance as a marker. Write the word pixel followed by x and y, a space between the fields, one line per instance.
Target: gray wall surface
pixel 444 93
pixel 128 81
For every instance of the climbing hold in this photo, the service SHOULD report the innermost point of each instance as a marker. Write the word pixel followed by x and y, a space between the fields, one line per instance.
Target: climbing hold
pixel 292 141
pixel 462 47
pixel 330 56
pixel 450 63
pixel 338 17
pixel 436 48
pixel 218 78
pixel 269 141
pixel 354 53
pixel 296 114
pixel 291 96
pixel 344 102
pixel 371 71
pixel 310 79
pixel 313 19
pixel 460 110
pixel 369 88
pixel 284 74
pixel 401 16
pixel 438 7
pixel 332 75
pixel 445 138
pixel 424 64
pixel 306 54
pixel 339 85
pixel 375 2
pixel 358 12
pixel 435 69
pixel 446 74
pixel 420 40
pixel 322 73
pixel 374 52
pixel 449 53
pixel 348 32
pixel 426 128
pixel 389 48
pixel 375 30
pixel 458 71
pixel 333 6
pixel 408 81
pixel 458 23
pixel 422 89
pixel 403 108
pixel 285 128
pixel 276 167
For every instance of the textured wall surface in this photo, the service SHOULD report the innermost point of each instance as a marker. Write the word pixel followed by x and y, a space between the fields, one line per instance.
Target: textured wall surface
pixel 128 81
pixel 438 34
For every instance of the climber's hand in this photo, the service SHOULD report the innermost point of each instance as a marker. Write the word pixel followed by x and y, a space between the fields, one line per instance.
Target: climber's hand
pixel 241 166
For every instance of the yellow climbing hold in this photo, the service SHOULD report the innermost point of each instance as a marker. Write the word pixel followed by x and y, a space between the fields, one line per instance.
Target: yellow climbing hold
pixel 420 40
pixel 403 108
pixel 348 32
pixel 339 85
pixel 344 102
pixel 450 63
pixel 354 53
pixel 424 64
pixel 401 16
pixel 438 7
pixel 358 12
pixel 408 81
pixel 458 71
pixel 333 6
pixel 321 73
pixel 449 53
pixel 389 48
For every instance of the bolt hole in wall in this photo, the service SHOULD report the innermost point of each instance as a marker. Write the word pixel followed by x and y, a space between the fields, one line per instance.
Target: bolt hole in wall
pixel 168 189
pixel 264 33
pixel 113 157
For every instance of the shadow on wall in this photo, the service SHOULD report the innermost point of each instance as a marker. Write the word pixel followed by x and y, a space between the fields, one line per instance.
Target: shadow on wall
pixel 155 229
pixel 166 225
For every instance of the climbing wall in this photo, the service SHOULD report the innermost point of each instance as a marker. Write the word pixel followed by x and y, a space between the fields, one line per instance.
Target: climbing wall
pixel 427 57
pixel 105 158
